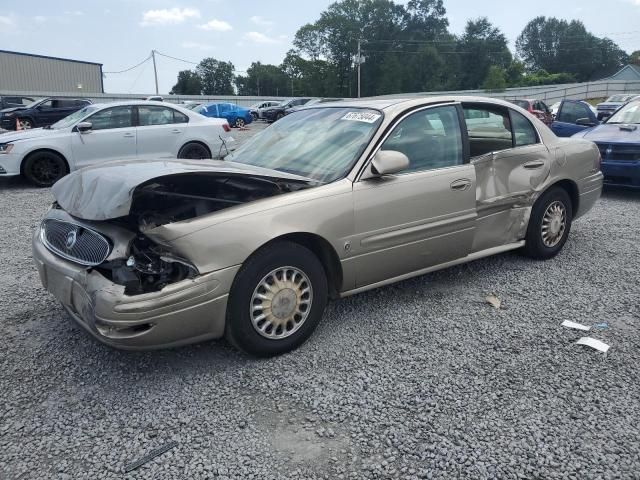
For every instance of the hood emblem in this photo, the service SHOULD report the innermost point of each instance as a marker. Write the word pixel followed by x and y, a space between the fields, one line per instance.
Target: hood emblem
pixel 72 237
pixel 608 151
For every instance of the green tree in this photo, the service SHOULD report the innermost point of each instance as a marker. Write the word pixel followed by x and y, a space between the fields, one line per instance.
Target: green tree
pixel 217 77
pixel 481 46
pixel 634 58
pixel 496 80
pixel 189 83
pixel 261 79
pixel 559 46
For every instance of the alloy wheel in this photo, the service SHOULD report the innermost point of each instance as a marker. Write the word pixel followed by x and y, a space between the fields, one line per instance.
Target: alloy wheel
pixel 281 303
pixel 554 224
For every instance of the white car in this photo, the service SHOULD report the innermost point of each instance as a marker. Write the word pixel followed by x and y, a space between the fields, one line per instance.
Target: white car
pixel 107 132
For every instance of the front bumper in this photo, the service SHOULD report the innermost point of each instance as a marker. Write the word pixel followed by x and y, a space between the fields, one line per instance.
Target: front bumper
pixel 186 312
pixel 8 123
pixel 10 163
pixel 621 173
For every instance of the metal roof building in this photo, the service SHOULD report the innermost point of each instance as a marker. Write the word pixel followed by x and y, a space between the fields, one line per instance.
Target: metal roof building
pixel 25 72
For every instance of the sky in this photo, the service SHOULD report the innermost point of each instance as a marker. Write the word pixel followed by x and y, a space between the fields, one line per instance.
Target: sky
pixel 121 33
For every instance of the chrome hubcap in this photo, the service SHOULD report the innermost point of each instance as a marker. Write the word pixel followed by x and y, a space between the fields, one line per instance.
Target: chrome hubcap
pixel 281 303
pixel 25 124
pixel 554 224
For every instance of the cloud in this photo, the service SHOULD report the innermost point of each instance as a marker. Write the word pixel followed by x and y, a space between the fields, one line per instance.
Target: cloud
pixel 7 24
pixel 74 13
pixel 168 16
pixel 257 37
pixel 40 19
pixel 216 26
pixel 261 21
pixel 197 46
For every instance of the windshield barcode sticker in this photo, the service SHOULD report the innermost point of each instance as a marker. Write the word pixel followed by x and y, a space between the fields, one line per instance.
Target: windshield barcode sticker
pixel 361 117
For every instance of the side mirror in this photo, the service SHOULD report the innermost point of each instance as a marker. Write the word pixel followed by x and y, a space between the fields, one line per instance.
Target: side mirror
pixel 84 127
pixel 388 162
pixel 585 122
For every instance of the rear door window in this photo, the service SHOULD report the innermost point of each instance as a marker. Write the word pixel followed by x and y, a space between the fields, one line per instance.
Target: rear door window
pixel 523 130
pixel 154 115
pixel 489 129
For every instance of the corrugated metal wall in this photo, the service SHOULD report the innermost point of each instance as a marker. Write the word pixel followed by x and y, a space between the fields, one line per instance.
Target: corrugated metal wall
pixel 35 73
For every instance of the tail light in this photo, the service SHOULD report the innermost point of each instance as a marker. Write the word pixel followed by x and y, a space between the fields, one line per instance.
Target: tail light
pixel 226 127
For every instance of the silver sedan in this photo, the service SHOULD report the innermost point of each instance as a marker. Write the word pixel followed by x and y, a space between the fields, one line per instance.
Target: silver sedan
pixel 332 200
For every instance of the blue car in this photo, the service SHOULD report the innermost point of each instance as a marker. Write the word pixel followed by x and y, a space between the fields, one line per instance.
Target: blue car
pixel 236 116
pixel 573 116
pixel 619 142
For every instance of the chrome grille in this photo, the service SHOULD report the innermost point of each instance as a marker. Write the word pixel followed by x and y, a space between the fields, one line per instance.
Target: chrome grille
pixel 75 242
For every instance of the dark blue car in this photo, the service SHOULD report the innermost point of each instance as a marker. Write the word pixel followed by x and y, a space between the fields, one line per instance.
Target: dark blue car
pixel 236 116
pixel 619 142
pixel 573 116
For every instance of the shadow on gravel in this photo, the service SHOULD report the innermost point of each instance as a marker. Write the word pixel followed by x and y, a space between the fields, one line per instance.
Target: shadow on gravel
pixel 15 183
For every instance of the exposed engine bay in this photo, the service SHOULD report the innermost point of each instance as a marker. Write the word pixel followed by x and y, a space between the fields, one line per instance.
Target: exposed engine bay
pixel 150 267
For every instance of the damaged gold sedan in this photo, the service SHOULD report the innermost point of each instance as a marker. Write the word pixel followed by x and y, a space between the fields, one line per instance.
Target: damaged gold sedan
pixel 330 201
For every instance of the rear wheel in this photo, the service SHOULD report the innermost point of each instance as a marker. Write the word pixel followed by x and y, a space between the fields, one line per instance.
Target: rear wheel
pixel 279 116
pixel 43 169
pixel 549 225
pixel 277 300
pixel 194 151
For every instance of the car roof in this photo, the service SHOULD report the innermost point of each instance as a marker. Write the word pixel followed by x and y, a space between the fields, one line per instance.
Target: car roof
pixel 391 104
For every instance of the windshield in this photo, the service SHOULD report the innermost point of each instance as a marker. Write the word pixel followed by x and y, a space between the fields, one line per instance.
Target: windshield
pixel 320 143
pixel 34 103
pixel 618 98
pixel 630 113
pixel 74 117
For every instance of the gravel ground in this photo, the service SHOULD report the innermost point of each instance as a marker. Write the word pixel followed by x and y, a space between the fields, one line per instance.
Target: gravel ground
pixel 421 379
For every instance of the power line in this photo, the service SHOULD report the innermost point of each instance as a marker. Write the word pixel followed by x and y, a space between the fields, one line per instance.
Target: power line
pixel 130 68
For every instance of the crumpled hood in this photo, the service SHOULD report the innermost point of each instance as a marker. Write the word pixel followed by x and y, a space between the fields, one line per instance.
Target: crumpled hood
pixel 612 133
pixel 106 191
pixel 27 134
pixel 11 109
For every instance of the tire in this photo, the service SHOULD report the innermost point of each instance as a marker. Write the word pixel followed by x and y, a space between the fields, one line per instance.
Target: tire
pixel 25 123
pixel 194 151
pixel 549 225
pixel 239 123
pixel 300 303
pixel 254 116
pixel 279 116
pixel 44 168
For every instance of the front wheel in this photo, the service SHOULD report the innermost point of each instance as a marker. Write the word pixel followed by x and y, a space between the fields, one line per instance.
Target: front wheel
pixel 45 168
pixel 240 123
pixel 279 116
pixel 277 300
pixel 25 124
pixel 549 225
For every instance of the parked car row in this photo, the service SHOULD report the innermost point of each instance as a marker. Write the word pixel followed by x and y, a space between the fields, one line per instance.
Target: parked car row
pixel 114 131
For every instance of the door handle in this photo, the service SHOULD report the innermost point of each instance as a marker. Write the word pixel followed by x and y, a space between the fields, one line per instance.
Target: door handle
pixel 128 135
pixel 534 164
pixel 461 184
pixel 175 130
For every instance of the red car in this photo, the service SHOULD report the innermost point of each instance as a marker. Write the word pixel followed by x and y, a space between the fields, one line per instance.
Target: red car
pixel 537 108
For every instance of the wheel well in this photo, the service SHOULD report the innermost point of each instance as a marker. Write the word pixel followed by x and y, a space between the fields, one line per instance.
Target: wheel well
pixel 199 143
pixel 325 253
pixel 30 154
pixel 572 189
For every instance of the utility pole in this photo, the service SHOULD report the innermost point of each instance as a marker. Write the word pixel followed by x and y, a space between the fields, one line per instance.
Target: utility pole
pixel 359 63
pixel 155 70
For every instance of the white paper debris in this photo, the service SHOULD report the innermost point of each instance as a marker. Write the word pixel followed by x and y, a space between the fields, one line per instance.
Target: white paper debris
pixel 576 326
pixel 366 117
pixel 593 343
pixel 493 301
